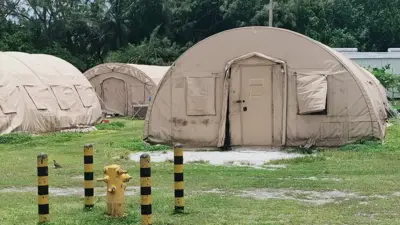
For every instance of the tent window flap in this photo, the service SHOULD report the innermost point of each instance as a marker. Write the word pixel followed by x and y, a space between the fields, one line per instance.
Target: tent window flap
pixel 200 99
pixel 39 96
pixel 66 96
pixel 311 93
pixel 9 99
pixel 86 95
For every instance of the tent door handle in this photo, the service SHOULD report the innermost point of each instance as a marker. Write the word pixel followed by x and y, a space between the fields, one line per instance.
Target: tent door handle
pixel 240 101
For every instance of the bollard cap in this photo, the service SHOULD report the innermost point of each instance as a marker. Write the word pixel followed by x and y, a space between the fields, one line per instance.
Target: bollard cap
pixel 144 155
pixel 88 145
pixel 178 145
pixel 42 156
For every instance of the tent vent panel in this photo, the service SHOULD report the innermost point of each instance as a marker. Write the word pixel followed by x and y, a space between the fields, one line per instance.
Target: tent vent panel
pixel 360 129
pixel 200 100
pixel 66 96
pixel 86 94
pixel 137 94
pixel 9 99
pixel 332 130
pixel 39 96
pixel 311 93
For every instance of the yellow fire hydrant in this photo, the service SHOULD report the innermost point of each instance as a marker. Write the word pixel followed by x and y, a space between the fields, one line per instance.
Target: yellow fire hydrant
pixel 115 178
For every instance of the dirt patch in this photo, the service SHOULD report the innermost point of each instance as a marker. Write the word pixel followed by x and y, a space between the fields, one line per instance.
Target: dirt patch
pixel 212 191
pixel 312 197
pixel 312 179
pixel 308 197
pixel 80 177
pixel 248 158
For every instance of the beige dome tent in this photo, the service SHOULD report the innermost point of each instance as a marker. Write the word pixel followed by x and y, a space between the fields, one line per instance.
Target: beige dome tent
pixel 262 86
pixel 41 93
pixel 125 89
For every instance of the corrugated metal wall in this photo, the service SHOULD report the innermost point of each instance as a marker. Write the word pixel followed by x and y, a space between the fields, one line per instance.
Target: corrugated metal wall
pixel 381 62
pixel 394 63
pixel 376 59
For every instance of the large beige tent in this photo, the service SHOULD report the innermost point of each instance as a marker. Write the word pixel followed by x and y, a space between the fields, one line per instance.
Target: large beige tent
pixel 41 93
pixel 262 86
pixel 125 88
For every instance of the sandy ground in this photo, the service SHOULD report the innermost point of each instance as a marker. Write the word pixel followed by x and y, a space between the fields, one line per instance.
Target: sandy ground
pixel 253 157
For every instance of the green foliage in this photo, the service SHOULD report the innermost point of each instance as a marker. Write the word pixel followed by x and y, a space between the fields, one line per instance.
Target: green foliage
pixel 364 145
pixel 111 126
pixel 152 50
pixel 86 33
pixel 388 80
pixel 15 138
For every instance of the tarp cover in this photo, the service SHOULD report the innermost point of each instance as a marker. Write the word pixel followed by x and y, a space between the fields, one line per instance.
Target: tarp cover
pixel 311 93
pixel 42 93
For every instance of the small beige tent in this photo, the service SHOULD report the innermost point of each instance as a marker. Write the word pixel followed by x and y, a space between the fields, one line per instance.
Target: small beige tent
pixel 265 87
pixel 125 89
pixel 41 93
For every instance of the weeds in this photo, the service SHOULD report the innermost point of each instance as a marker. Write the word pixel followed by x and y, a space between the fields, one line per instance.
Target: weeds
pixel 364 145
pixel 15 138
pixel 110 126
pixel 299 160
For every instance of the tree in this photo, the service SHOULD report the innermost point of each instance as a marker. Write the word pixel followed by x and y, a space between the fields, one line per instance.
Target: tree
pixel 84 32
pixel 154 50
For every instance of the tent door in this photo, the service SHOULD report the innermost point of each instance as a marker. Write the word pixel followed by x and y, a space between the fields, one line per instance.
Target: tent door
pixel 114 95
pixel 256 104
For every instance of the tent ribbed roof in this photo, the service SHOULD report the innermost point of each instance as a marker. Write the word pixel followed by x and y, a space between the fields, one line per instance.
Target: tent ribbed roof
pixel 156 73
pixel 144 73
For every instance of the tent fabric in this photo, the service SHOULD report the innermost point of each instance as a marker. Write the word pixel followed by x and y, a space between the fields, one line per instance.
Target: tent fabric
pixel 250 55
pixel 122 87
pixel 156 73
pixel 39 93
pixel 352 99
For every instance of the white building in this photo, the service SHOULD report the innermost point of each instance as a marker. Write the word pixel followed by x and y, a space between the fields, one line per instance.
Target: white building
pixel 376 59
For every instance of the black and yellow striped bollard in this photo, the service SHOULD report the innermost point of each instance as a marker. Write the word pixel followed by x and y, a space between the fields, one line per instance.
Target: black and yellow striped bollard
pixel 88 175
pixel 145 189
pixel 178 178
pixel 43 187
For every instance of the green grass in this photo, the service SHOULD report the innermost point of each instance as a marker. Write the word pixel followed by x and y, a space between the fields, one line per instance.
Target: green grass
pixel 117 125
pixel 15 138
pixel 368 168
pixel 395 103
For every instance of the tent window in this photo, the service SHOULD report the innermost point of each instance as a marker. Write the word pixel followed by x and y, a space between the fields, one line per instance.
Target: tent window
pixel 200 96
pixel 312 94
pixel 86 94
pixel 66 96
pixel 137 94
pixel 39 96
pixel 9 99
